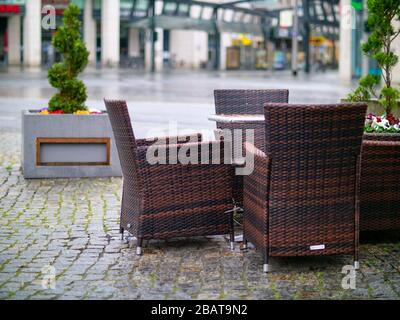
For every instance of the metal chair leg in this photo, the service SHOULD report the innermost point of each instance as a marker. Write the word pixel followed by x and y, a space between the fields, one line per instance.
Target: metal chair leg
pixel 266 265
pixel 232 226
pixel 356 260
pixel 139 246
pixel 244 245
pixel 233 229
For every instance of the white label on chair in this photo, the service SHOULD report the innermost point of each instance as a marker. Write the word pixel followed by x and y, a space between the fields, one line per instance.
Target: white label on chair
pixel 318 247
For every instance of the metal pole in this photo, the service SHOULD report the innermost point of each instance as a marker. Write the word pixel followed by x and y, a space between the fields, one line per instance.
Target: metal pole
pixel 306 36
pixel 265 30
pixel 295 33
pixel 307 48
pixel 153 37
pixel 217 43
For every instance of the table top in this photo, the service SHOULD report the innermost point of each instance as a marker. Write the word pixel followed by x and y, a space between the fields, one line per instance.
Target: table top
pixel 236 118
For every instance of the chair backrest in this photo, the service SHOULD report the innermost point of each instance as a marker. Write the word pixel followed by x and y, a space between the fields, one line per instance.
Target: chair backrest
pixel 247 101
pixel 314 152
pixel 124 137
pixel 298 130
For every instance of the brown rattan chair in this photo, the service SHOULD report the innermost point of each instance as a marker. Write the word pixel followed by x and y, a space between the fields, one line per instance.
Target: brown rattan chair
pixel 303 196
pixel 231 101
pixel 170 200
pixel 380 183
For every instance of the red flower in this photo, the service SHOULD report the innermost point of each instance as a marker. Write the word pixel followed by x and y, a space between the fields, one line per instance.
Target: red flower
pixel 392 120
pixel 57 112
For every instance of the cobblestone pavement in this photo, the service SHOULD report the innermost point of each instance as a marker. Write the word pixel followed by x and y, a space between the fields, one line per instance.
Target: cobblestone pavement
pixel 72 225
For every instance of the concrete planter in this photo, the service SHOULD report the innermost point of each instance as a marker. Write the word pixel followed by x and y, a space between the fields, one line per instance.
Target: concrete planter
pixel 68 146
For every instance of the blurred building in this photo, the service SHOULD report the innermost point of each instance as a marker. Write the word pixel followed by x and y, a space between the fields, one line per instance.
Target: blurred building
pixel 171 34
pixel 353 64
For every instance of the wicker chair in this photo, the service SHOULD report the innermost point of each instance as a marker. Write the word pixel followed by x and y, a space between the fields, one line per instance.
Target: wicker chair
pixel 380 183
pixel 303 196
pixel 170 200
pixel 247 101
pixel 229 101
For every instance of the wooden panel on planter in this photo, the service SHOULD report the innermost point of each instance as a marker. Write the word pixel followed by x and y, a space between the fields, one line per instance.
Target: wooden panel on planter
pixel 73 151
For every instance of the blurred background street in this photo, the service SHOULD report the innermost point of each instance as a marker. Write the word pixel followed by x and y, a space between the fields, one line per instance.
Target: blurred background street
pixel 156 99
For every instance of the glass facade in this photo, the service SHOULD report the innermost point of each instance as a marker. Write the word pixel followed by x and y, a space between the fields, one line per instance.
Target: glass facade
pixel 242 23
pixel 8 8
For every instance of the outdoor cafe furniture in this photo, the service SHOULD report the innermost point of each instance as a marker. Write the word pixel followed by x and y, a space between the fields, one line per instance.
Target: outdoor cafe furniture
pixel 230 103
pixel 161 201
pixel 380 172
pixel 303 197
pixel 239 101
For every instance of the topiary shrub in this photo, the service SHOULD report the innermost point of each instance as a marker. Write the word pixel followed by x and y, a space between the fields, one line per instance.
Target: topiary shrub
pixel 63 76
pixel 381 15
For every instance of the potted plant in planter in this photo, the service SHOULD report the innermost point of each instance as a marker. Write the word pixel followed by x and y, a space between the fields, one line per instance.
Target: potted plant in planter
pixel 385 100
pixel 380 164
pixel 66 139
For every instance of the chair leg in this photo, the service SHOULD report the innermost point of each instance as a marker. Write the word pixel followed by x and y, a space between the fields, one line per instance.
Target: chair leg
pixel 357 216
pixel 244 245
pixel 232 240
pixel 266 264
pixel 139 246
pixel 232 234
pixel 121 231
pixel 356 261
pixel 356 253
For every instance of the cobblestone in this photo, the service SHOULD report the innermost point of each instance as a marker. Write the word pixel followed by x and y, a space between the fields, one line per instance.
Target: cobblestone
pixel 72 226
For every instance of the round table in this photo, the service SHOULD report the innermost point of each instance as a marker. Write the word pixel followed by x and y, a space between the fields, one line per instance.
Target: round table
pixel 244 122
pixel 237 118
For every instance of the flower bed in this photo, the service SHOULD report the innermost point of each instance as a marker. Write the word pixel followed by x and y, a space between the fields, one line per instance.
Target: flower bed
pixel 47 111
pixel 382 124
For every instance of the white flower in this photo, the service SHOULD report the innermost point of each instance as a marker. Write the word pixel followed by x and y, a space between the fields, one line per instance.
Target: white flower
pixel 368 122
pixel 92 110
pixel 383 123
pixel 380 122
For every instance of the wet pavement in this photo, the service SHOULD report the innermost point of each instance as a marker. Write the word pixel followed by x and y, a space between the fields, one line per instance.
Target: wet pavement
pixel 155 100
pixel 59 238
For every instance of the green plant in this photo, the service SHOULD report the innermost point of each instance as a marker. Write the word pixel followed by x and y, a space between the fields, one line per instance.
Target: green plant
pixel 381 15
pixel 63 76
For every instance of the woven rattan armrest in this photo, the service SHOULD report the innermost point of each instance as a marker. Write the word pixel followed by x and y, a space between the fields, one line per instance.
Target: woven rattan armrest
pixel 214 156
pixel 261 173
pixel 255 198
pixel 179 139
pixel 256 184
